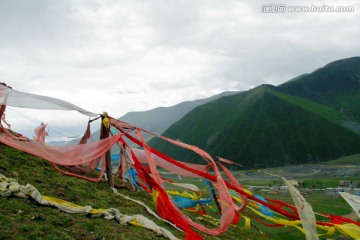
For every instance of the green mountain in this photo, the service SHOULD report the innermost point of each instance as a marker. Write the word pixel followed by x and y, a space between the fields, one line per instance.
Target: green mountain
pixel 263 127
pixel 336 84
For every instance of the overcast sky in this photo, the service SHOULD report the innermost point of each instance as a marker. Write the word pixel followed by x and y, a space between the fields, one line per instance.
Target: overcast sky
pixel 120 56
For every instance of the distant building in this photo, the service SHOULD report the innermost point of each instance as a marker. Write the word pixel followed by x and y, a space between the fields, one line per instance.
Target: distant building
pixel 344 184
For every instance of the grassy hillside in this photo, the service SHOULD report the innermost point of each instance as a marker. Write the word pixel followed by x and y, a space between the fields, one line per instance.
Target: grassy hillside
pixel 25 219
pixel 262 128
pixel 336 84
pixel 316 108
pixel 353 159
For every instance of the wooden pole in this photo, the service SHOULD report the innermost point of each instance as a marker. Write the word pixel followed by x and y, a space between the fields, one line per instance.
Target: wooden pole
pixel 104 133
pixel 215 198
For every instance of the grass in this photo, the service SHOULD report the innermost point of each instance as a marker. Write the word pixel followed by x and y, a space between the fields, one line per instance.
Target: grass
pixel 25 219
pixel 320 202
pixel 350 160
pixel 316 108
pixel 264 183
pixel 327 182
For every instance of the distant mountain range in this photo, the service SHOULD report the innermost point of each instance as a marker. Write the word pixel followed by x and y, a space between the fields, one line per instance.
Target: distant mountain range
pixel 311 118
pixel 157 120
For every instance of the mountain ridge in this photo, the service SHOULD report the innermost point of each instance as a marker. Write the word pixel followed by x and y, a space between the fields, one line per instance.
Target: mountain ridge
pixel 247 123
pixel 159 119
pixel 337 85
